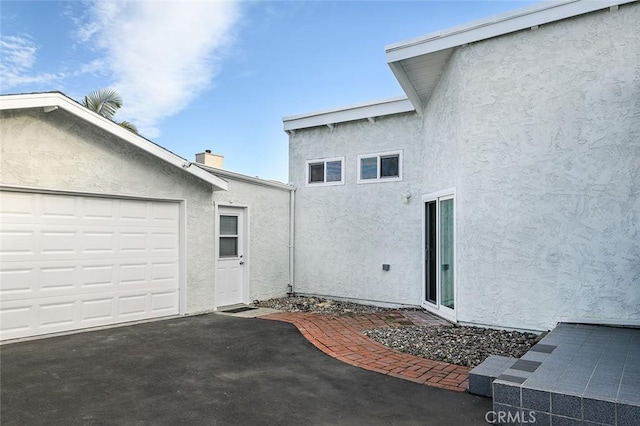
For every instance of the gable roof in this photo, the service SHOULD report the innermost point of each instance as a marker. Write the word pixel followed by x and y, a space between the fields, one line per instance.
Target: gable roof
pixel 410 59
pixel 51 101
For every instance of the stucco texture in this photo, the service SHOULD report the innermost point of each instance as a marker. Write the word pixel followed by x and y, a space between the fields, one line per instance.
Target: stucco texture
pixel 268 260
pixel 539 131
pixel 58 151
pixel 344 233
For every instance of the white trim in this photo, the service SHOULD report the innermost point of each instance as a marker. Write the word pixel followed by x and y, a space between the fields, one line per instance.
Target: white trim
pixel 182 260
pixel 42 190
pixel 363 111
pixel 520 19
pixel 325 161
pixel 380 179
pixel 246 210
pixel 437 309
pixel 292 241
pixel 216 226
pixel 245 178
pixel 42 100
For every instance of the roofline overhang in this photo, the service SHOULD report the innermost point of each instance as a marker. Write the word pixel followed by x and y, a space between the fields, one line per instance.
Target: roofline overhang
pixel 245 178
pixel 529 17
pixel 369 110
pixel 53 100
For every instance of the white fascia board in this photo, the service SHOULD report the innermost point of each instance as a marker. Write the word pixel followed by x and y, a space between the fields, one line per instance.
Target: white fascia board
pixel 531 16
pixel 355 112
pixel 42 100
pixel 245 178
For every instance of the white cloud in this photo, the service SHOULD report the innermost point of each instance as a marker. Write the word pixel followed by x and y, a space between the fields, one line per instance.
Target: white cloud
pixel 161 54
pixel 18 59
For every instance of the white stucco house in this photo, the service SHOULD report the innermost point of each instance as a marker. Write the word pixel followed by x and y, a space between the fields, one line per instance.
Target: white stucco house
pixel 100 226
pixel 503 189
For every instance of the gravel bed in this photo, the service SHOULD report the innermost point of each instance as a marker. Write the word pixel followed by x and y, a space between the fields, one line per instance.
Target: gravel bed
pixel 461 345
pixel 317 305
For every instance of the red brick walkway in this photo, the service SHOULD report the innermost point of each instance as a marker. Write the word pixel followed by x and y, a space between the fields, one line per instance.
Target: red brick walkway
pixel 341 337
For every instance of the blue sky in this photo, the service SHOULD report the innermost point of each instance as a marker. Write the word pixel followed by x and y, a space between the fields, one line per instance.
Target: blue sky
pixel 219 75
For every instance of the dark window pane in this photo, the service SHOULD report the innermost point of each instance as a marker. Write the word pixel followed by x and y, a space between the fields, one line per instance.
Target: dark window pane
pixel 334 171
pixel 369 168
pixel 389 166
pixel 228 225
pixel 228 246
pixel 431 250
pixel 316 172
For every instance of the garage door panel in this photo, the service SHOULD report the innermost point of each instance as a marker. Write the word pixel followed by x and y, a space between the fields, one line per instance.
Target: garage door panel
pixel 94 310
pixel 16 205
pixel 23 280
pixel 69 262
pixel 163 301
pixel 26 208
pixel 56 314
pixel 17 319
pixel 22 318
pixel 15 243
pixel 99 209
pixel 63 242
pixel 56 278
pixel 17 280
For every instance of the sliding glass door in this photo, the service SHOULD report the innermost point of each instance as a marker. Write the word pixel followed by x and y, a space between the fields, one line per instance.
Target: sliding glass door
pixel 439 254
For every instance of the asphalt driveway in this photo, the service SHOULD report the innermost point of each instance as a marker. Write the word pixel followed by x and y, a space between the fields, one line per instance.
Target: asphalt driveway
pixel 210 369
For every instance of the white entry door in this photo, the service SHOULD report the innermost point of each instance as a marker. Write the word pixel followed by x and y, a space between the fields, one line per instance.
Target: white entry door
pixel 231 259
pixel 71 261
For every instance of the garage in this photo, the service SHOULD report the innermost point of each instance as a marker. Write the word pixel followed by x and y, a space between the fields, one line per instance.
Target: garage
pixel 70 261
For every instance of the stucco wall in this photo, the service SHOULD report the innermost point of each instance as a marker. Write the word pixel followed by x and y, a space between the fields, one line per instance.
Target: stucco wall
pixel 539 131
pixel 344 233
pixel 268 259
pixel 56 150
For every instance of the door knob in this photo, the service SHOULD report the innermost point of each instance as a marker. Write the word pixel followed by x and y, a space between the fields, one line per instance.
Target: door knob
pixel 241 262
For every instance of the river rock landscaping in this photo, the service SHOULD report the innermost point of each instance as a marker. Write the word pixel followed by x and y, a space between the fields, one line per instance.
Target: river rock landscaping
pixel 461 345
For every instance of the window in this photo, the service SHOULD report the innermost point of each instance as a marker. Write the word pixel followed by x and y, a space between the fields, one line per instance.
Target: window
pixel 228 236
pixel 383 167
pixel 329 171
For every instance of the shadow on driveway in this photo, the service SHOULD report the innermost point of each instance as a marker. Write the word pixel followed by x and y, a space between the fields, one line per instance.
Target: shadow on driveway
pixel 210 369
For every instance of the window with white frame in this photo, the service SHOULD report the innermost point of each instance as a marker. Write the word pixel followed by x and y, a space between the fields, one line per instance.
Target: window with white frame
pixel 326 171
pixel 380 167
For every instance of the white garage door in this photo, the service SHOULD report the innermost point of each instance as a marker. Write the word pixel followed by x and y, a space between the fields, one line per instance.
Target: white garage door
pixel 69 262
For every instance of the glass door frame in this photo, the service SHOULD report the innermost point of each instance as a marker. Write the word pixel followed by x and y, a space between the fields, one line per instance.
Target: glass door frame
pixel 438 308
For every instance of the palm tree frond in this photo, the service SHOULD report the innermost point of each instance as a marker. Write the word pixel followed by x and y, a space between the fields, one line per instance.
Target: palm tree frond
pixel 129 126
pixel 104 102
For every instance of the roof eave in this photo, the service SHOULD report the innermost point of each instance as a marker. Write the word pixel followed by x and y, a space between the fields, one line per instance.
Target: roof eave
pixel 245 178
pixel 524 18
pixel 56 100
pixel 364 111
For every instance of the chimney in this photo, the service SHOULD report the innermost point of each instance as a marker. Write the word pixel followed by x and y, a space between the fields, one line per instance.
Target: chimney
pixel 209 159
